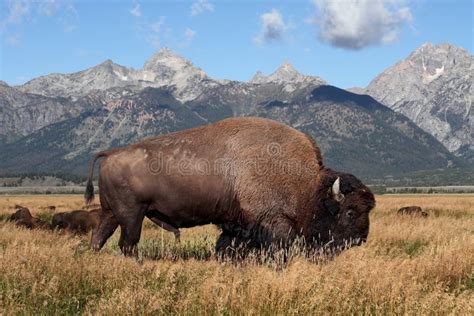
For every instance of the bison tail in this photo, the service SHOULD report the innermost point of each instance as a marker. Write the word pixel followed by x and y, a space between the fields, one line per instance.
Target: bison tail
pixel 89 194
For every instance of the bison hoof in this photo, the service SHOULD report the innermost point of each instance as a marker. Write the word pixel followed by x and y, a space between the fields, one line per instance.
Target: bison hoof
pixel 95 247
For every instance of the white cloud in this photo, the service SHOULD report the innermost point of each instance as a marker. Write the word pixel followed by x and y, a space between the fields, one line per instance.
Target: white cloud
pixel 136 12
pixel 49 7
pixel 272 27
pixel 355 24
pixel 201 6
pixel 158 25
pixel 156 31
pixel 16 11
pixel 19 11
pixel 189 33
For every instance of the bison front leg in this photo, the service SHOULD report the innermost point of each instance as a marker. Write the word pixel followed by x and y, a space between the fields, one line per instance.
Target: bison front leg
pixel 106 227
pixel 229 246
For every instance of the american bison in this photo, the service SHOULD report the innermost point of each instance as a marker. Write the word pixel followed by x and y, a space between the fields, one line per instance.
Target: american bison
pixel 23 217
pixel 262 182
pixel 79 222
pixel 412 210
pixel 91 206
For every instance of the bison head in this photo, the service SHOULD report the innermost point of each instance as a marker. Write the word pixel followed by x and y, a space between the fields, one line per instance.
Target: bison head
pixel 22 213
pixel 342 216
pixel 59 221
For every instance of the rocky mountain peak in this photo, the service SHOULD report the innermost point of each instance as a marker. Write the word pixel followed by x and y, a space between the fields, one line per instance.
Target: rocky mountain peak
pixel 433 87
pixel 286 73
pixel 431 62
pixel 166 63
pixel 110 105
pixel 107 62
pixel 287 67
pixel 108 67
pixel 166 58
pixel 166 51
pixel 166 68
pixel 433 48
pixel 259 77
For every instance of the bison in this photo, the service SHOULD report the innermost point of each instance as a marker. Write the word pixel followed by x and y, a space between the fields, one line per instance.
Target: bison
pixel 412 210
pixel 23 217
pixel 79 222
pixel 262 182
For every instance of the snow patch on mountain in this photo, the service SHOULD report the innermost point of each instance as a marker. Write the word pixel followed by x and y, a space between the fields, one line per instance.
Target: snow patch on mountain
pixel 433 87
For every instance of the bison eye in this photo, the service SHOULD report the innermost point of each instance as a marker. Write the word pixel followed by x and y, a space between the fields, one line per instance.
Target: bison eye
pixel 350 213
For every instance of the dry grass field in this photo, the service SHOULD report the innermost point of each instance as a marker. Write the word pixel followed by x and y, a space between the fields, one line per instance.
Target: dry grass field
pixel 408 266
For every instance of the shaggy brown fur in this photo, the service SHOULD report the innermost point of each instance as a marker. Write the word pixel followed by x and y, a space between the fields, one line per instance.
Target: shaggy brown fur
pixel 22 217
pixel 261 181
pixel 78 222
pixel 412 210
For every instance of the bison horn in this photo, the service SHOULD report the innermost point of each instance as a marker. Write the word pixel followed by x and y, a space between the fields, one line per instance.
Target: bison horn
pixel 336 190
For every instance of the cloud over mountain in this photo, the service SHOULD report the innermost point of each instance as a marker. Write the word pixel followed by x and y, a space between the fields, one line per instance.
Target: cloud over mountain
pixel 355 24
pixel 272 27
pixel 136 12
pixel 201 6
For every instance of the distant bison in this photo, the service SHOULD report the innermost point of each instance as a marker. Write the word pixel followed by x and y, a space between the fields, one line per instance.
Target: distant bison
pixel 79 222
pixel 412 210
pixel 91 206
pixel 23 217
pixel 262 182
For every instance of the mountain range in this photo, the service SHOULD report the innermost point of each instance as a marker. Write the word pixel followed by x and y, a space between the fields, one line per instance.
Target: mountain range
pixel 54 123
pixel 433 87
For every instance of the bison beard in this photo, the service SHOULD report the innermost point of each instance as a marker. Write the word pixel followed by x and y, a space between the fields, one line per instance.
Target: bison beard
pixel 262 182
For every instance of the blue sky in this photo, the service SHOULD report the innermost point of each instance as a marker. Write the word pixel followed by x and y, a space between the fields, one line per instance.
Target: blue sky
pixel 346 42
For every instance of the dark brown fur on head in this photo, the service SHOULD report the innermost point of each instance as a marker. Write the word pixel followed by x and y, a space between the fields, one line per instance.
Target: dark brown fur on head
pixel 23 217
pixel 22 213
pixel 342 218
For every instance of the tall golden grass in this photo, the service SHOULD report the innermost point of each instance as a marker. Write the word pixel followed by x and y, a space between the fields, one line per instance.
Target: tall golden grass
pixel 408 266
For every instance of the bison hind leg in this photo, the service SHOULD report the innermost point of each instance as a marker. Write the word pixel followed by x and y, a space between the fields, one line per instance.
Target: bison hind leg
pixel 130 221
